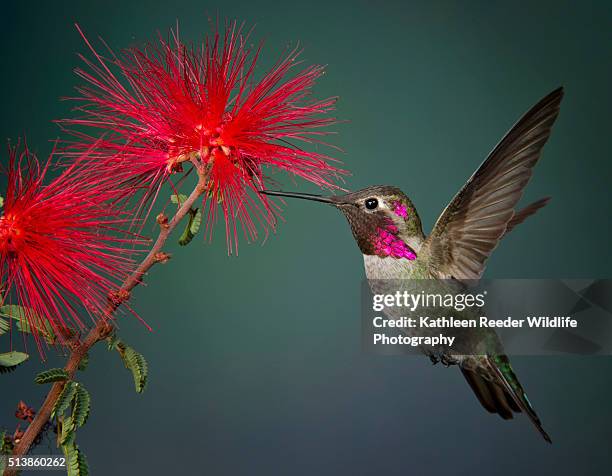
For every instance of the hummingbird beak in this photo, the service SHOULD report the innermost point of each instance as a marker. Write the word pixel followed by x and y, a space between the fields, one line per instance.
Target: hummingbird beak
pixel 303 196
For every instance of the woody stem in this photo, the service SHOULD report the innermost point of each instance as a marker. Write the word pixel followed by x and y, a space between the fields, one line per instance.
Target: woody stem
pixel 103 328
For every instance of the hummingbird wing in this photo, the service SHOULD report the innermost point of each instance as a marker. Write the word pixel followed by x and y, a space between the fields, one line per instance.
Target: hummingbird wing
pixel 520 216
pixel 471 226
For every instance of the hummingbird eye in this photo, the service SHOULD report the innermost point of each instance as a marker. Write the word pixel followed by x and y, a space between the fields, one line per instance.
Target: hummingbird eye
pixel 371 203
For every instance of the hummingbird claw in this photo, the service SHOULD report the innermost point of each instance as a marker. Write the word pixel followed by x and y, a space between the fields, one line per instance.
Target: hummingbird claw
pixel 447 361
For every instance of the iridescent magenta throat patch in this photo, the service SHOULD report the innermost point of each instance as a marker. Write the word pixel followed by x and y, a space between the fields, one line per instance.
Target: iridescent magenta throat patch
pixel 387 243
pixel 400 209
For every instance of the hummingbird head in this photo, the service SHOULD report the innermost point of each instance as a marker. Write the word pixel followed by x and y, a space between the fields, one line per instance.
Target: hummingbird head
pixel 383 220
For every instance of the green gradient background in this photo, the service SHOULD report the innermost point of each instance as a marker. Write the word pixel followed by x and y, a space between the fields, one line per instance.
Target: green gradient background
pixel 255 361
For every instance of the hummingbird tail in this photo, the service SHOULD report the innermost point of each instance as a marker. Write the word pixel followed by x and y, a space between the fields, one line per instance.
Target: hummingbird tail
pixel 500 392
pixel 503 373
pixel 491 396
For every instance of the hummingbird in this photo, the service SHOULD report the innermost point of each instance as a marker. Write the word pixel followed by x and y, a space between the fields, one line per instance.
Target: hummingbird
pixel 389 234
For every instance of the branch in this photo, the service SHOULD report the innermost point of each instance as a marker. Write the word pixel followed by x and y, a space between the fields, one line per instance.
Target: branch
pixel 104 328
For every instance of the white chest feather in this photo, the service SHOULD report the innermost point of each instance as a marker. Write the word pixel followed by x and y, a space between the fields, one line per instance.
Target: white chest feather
pixel 387 268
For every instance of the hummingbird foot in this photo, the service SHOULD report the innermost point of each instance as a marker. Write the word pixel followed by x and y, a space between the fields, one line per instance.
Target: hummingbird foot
pixel 447 361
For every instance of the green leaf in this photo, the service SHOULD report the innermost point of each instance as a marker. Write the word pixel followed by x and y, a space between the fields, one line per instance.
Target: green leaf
pixel 82 406
pixel 20 315
pixel 83 465
pixel 11 359
pixel 4 326
pixel 70 440
pixel 84 362
pixel 135 362
pixel 186 236
pixel 68 449
pixel 3 449
pixel 178 199
pixel 76 463
pixel 1 201
pixel 65 399
pixel 113 341
pixel 51 375
pixel 138 365
pixel 196 222
pixel 192 227
pixel 7 370
pixel 67 433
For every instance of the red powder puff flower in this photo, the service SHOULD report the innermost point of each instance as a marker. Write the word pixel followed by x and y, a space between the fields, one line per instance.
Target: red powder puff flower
pixel 60 251
pixel 169 102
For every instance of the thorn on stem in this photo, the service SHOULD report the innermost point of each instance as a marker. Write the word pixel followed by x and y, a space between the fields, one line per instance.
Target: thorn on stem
pixel 162 257
pixel 162 220
pixel 118 297
pixel 106 330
